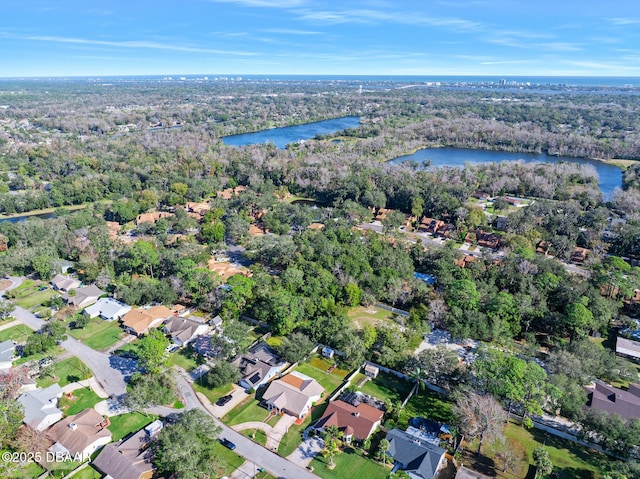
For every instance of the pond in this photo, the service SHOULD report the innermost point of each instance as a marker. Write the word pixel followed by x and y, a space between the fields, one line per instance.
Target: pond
pixel 609 176
pixel 283 136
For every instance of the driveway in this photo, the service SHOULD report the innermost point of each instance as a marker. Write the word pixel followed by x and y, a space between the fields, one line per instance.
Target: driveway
pixel 304 454
pixel 237 396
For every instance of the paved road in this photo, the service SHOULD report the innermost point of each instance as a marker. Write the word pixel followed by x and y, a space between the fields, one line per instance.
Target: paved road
pixel 110 379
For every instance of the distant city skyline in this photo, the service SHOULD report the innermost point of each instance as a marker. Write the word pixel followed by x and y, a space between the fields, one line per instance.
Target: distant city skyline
pixel 320 37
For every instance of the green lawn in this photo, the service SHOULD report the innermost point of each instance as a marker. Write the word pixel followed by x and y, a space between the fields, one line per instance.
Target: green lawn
pixel 65 372
pixel 125 424
pixel 18 333
pixel 293 438
pixel 369 315
pixel 570 461
pixel 275 341
pixel 350 463
pixel 35 299
pixel 427 404
pixel 258 435
pixel 80 400
pixel 37 357
pixel 324 364
pixel 213 394
pixel 227 460
pixel 247 410
pixel 98 333
pixel 183 359
pixel 387 386
pixel 32 469
pixel 87 472
pixel 330 382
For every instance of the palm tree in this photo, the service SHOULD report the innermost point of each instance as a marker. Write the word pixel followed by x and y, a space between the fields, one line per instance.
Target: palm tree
pixel 332 443
pixel 383 449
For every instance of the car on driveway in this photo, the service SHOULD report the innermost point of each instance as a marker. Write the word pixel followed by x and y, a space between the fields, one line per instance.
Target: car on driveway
pixel 224 400
pixel 226 443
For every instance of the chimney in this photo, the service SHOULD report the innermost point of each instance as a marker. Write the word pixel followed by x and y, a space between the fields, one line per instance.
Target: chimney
pixel 73 426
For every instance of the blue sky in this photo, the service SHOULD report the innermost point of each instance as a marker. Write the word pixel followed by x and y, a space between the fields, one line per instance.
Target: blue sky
pixel 341 37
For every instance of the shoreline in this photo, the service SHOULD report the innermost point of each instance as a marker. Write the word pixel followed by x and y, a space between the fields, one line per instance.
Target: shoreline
pixel 44 211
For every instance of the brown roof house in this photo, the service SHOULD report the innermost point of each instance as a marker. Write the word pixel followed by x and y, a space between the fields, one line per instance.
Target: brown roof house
pixel 184 330
pixel 129 458
pixel 83 297
pixel 293 394
pixel 80 435
pixel 615 401
pixel 152 217
pixel 139 321
pixel 355 422
pixel 579 255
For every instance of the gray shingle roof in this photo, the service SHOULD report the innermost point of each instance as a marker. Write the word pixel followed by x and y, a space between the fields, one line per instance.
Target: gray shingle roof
pixel 419 458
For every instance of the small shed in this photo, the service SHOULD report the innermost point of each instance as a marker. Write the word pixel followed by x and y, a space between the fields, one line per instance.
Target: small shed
pixel 327 352
pixel 371 371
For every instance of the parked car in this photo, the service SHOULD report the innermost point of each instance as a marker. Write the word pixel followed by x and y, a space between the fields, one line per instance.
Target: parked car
pixel 223 400
pixel 226 443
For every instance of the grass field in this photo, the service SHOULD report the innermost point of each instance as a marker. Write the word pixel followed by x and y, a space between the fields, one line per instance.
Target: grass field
pixel 182 359
pixel 87 472
pixel 570 461
pixel 257 435
pixel 369 315
pixel 387 386
pixel 125 424
pixel 37 357
pixel 247 410
pixel 18 333
pixel 32 469
pixel 80 400
pixel 350 463
pixel 213 394
pixel 36 298
pixel 99 334
pixel 425 404
pixel 227 460
pixel 65 372
pixel 329 381
pixel 293 438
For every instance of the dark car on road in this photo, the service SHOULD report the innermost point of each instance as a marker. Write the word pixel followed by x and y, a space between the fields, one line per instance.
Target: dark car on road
pixel 226 443
pixel 223 400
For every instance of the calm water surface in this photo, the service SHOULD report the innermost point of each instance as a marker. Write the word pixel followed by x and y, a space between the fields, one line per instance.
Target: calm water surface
pixel 609 176
pixel 281 137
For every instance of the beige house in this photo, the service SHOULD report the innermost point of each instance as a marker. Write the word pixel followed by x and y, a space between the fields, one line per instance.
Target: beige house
pixel 293 394
pixel 82 434
pixel 139 321
pixel 127 459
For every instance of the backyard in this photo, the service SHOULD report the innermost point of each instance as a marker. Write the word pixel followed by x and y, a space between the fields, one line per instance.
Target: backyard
pixel 64 372
pixel 570 461
pixel 98 334
pixel 31 294
pixel 387 387
pixel 317 368
pixel 350 463
pixel 427 404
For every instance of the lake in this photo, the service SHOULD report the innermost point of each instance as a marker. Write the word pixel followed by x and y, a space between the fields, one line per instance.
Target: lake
pixel 610 176
pixel 281 137
pixel 19 218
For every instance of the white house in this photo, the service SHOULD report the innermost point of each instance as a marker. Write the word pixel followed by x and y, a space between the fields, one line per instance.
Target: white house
pixel 41 407
pixel 183 330
pixel 7 353
pixel 64 283
pixel 108 309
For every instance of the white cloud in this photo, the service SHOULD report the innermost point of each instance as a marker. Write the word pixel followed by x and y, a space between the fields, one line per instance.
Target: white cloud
pixel 560 46
pixel 618 21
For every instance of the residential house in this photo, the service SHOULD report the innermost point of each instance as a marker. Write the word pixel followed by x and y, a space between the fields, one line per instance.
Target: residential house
pixel 108 309
pixel 544 247
pixel 416 455
pixel 113 227
pixel 129 458
pixel 355 422
pixel 258 366
pixel 184 330
pixel 83 297
pixel 140 320
pixel 152 217
pixel 327 352
pixel 316 226
pixel 197 210
pixel 7 354
pixel 430 225
pixel 64 283
pixel 607 398
pixel 81 433
pixel 627 347
pixel 293 394
pixel 465 261
pixel 579 255
pixel 41 407
pixel 487 240
pixel 229 193
pixel 216 323
pixel 448 231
